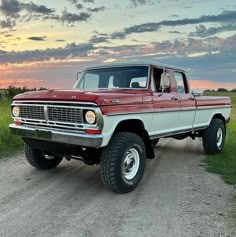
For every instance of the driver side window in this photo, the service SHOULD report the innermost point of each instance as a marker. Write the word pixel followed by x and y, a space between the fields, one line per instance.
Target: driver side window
pixel 157 75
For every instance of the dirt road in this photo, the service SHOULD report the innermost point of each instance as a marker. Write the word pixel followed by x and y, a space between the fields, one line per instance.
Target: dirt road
pixel 176 198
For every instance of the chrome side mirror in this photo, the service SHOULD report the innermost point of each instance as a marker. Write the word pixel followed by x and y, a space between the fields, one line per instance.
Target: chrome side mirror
pixel 78 75
pixel 197 92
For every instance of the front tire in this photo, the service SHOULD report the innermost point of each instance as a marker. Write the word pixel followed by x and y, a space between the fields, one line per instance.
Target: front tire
pixel 214 137
pixel 123 162
pixel 41 160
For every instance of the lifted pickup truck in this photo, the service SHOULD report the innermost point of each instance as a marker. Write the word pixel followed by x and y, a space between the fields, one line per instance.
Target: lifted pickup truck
pixel 114 117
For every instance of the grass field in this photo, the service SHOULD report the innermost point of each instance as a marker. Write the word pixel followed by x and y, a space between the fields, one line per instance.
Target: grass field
pixel 225 163
pixel 8 142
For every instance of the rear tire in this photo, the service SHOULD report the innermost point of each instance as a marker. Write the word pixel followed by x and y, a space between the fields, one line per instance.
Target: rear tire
pixel 41 160
pixel 123 162
pixel 214 137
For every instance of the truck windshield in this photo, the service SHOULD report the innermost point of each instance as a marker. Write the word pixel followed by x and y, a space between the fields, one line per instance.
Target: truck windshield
pixel 135 77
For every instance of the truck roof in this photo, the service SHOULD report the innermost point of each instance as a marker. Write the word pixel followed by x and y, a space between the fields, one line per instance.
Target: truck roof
pixel 138 63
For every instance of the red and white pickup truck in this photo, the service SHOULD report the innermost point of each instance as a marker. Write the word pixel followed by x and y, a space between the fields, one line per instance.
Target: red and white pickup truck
pixel 114 116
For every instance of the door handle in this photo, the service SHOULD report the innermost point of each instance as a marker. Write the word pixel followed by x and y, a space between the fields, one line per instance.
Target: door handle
pixel 147 100
pixel 191 98
pixel 174 98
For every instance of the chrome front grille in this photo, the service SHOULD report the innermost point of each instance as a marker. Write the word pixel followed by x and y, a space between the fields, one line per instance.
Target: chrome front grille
pixel 57 115
pixel 32 112
pixel 65 114
pixel 60 116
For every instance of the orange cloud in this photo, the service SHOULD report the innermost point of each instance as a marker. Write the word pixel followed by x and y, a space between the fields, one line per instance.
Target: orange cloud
pixel 30 83
pixel 206 84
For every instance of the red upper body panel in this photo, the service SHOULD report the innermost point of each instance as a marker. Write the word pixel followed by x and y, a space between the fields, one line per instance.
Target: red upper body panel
pixel 203 101
pixel 121 101
pixel 99 97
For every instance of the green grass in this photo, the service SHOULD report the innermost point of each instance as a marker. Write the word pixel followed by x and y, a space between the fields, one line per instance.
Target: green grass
pixel 225 163
pixel 8 142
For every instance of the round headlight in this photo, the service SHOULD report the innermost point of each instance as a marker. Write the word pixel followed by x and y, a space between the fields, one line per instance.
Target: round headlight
pixel 90 117
pixel 16 111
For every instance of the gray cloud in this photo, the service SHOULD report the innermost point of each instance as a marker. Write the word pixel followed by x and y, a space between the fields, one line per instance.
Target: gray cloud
pixel 2 52
pixel 202 31
pixel 136 3
pixel 37 38
pixel 78 3
pixel 88 1
pixel 71 18
pixel 224 17
pixel 174 32
pixel 212 66
pixel 40 9
pixel 60 40
pixel 12 8
pixel 69 51
pixel 7 23
pixel 79 6
pixel 99 39
pixel 97 9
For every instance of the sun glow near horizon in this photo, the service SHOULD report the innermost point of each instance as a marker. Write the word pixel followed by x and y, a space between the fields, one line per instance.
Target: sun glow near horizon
pixel 63 73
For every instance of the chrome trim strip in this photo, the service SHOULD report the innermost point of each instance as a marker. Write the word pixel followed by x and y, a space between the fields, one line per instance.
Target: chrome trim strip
pixel 15 102
pixel 46 113
pixel 51 125
pixel 53 106
pixel 59 129
pixel 188 108
pixel 168 110
pixel 83 140
pixel 214 107
pixel 169 134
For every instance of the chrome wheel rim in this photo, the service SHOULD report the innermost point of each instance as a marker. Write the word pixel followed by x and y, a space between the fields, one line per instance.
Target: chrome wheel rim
pixel 47 156
pixel 219 137
pixel 131 164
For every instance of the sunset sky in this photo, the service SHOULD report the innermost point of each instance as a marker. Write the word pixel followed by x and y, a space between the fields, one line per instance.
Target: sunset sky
pixel 45 43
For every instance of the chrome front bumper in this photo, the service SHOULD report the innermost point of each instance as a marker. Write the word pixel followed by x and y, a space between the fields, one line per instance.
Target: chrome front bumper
pixel 79 139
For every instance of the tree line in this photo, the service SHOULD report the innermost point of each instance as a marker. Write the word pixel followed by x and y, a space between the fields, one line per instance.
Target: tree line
pixel 221 90
pixel 12 91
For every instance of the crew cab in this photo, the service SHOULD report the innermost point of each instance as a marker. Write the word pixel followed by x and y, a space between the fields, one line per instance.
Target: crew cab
pixel 114 116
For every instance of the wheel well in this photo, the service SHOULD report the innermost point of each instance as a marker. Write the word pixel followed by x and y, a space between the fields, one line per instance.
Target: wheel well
pixel 219 116
pixel 136 126
pixel 133 125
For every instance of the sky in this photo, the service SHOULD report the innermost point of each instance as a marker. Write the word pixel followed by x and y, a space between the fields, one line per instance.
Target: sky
pixel 45 43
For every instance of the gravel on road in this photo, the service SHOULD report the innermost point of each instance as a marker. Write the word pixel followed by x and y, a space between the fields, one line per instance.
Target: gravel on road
pixel 176 198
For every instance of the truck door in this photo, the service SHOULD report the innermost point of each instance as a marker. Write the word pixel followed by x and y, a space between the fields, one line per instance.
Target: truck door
pixel 187 101
pixel 166 118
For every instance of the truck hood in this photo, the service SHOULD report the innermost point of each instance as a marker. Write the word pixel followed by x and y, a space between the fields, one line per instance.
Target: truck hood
pixel 103 97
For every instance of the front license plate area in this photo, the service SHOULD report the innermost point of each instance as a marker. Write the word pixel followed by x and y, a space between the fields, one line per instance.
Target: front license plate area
pixel 44 134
